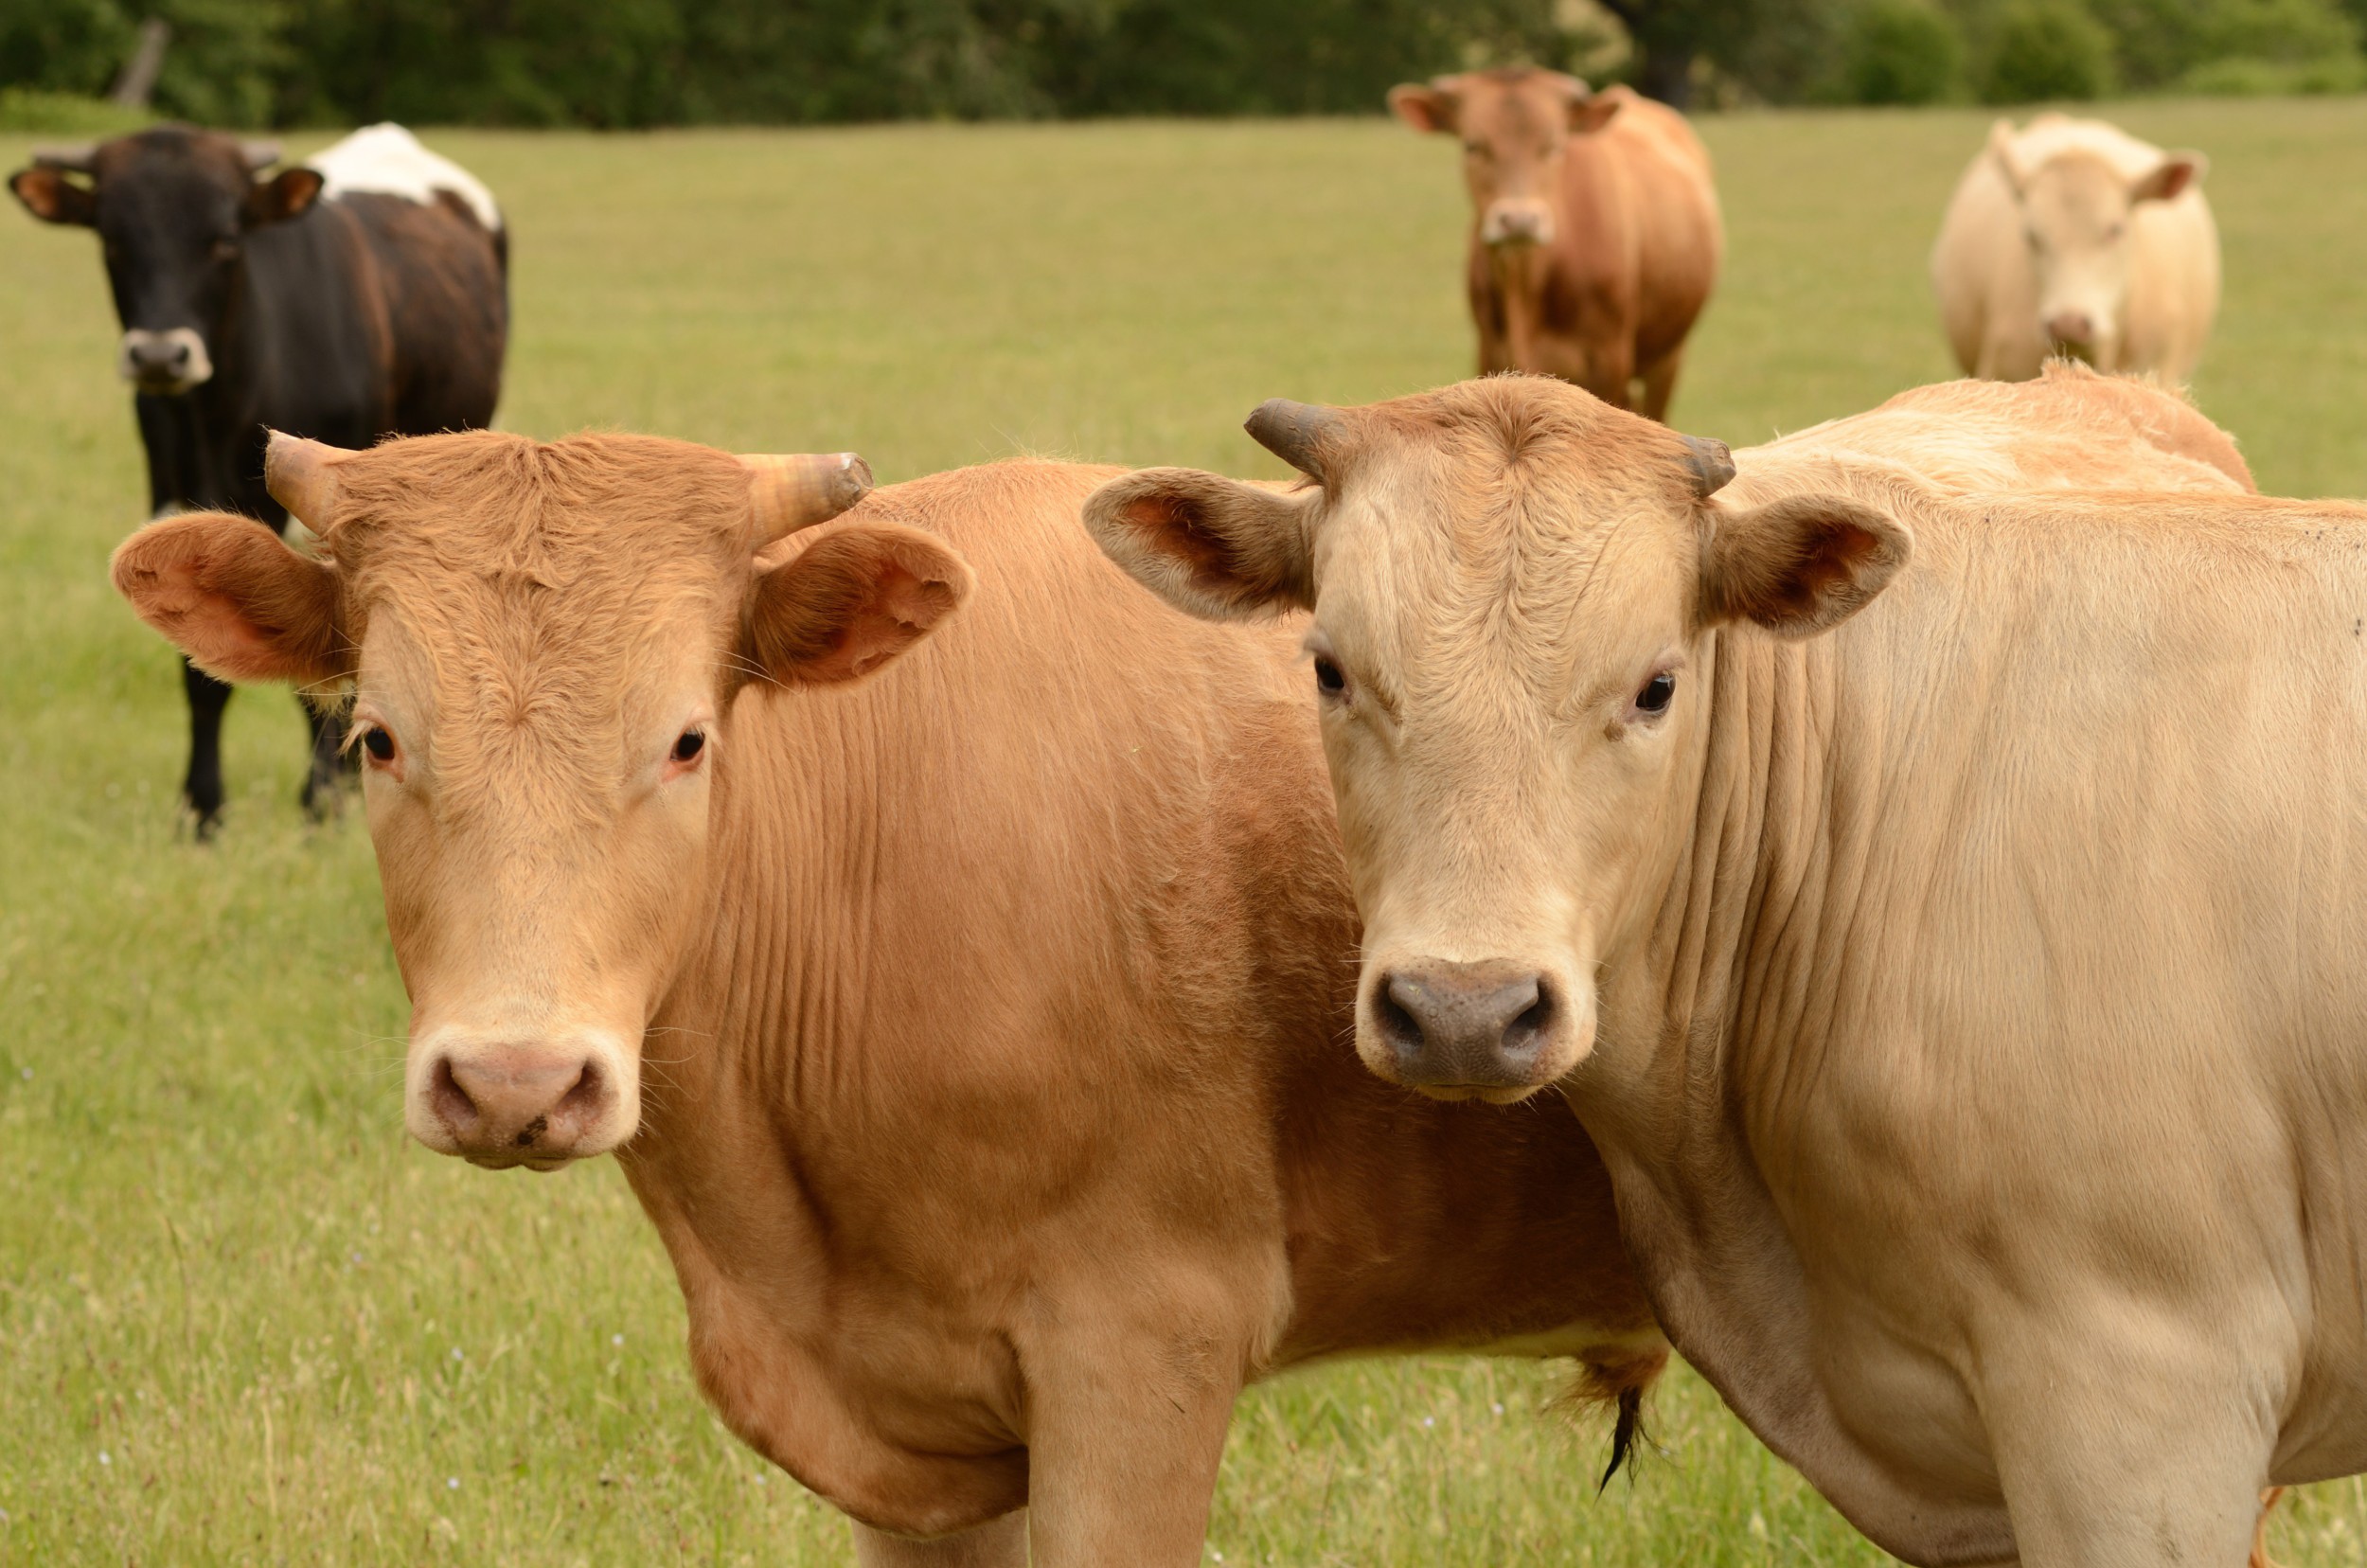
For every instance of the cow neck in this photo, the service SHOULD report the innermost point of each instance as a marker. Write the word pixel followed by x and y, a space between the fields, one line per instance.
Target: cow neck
pixel 1710 1040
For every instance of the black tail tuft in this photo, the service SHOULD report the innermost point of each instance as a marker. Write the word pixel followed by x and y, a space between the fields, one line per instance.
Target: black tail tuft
pixel 1624 1433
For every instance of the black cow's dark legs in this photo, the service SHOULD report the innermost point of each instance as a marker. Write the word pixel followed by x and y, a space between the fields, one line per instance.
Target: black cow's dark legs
pixel 202 787
pixel 330 767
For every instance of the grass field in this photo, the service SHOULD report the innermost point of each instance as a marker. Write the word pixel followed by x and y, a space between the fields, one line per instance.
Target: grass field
pixel 242 1320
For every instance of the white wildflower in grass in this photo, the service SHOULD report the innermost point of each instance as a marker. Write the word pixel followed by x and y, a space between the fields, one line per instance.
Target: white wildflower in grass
pixel 452 1483
pixel 457 1355
pixel 616 1339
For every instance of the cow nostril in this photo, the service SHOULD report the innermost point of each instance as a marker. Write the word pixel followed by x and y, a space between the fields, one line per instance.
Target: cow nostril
pixel 1399 1024
pixel 452 1103
pixel 584 1101
pixel 1531 1022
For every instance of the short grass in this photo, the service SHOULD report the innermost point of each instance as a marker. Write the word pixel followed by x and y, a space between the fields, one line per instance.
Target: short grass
pixel 242 1321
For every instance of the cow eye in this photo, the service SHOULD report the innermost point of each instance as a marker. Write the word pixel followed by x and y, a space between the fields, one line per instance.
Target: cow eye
pixel 688 745
pixel 1657 693
pixel 1327 677
pixel 380 744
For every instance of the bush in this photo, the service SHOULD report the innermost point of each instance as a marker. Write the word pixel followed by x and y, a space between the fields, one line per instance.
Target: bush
pixel 1900 51
pixel 29 109
pixel 2253 77
pixel 2048 49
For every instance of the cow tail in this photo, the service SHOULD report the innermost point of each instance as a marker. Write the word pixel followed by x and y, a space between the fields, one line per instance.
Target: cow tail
pixel 1620 1381
pixel 1625 1429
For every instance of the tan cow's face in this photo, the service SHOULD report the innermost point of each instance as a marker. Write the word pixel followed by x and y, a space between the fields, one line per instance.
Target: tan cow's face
pixel 545 641
pixel 1512 586
pixel 1515 126
pixel 2078 212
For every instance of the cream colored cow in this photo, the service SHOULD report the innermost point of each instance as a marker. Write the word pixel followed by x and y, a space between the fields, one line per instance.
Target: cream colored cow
pixel 1942 908
pixel 2076 237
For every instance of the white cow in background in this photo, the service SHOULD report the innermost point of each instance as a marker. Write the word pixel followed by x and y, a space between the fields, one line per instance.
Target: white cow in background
pixel 2075 238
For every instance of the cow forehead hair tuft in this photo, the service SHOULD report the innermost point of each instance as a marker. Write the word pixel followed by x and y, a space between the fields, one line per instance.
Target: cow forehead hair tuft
pixel 585 506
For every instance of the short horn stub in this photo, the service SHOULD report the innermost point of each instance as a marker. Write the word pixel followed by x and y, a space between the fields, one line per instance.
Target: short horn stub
pixel 74 160
pixel 797 490
pixel 301 477
pixel 259 155
pixel 1299 433
pixel 1712 463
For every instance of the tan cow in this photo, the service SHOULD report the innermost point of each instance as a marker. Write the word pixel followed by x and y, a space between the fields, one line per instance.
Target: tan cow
pixel 2076 237
pixel 1939 908
pixel 1595 236
pixel 1001 1121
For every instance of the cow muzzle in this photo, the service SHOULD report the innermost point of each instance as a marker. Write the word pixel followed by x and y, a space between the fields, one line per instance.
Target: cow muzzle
pixel 1496 1031
pixel 504 1103
pixel 166 362
pixel 1517 221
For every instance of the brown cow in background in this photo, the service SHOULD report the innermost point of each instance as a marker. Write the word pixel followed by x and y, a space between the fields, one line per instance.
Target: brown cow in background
pixel 1595 236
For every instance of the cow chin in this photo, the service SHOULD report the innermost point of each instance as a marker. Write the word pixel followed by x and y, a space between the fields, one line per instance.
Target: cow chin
pixel 504 1098
pixel 1496 1029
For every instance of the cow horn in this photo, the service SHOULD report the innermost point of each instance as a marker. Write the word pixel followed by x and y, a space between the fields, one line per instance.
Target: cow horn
pixel 1712 463
pixel 301 477
pixel 259 155
pixel 797 491
pixel 74 160
pixel 1297 433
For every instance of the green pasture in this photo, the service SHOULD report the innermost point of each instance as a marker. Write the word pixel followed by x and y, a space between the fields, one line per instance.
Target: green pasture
pixel 243 1320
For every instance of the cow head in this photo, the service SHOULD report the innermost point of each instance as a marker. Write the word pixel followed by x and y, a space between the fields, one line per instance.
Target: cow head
pixel 173 208
pixel 2076 212
pixel 1516 127
pixel 545 641
pixel 1514 587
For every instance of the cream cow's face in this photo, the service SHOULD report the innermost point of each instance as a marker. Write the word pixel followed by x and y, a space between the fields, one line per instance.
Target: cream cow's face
pixel 1511 585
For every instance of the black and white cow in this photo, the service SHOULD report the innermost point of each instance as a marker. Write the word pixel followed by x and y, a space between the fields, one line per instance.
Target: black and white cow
pixel 360 294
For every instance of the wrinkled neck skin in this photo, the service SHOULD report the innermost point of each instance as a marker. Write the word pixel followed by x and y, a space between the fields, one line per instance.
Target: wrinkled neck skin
pixel 1707 1059
pixel 737 1161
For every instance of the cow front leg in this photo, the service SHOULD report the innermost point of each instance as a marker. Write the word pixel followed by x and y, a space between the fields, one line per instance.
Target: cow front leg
pixel 2129 1460
pixel 202 785
pixel 1122 1457
pixel 330 766
pixel 999 1543
pixel 1660 380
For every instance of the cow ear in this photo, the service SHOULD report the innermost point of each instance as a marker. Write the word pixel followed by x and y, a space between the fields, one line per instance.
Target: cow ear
pixel 229 593
pixel 2170 177
pixel 1799 565
pixel 1424 108
pixel 1219 548
pixel 48 195
pixel 287 194
pixel 1590 110
pixel 853 601
pixel 2002 153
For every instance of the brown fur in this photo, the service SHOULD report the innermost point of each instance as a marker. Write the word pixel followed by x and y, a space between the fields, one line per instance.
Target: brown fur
pixel 998 1117
pixel 1607 300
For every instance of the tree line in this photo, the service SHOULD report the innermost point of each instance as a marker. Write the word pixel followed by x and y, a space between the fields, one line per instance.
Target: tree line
pixel 620 63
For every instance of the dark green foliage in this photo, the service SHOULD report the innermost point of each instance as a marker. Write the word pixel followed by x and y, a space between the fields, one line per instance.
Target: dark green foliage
pixel 640 63
pixel 62 45
pixel 1900 51
pixel 2048 49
